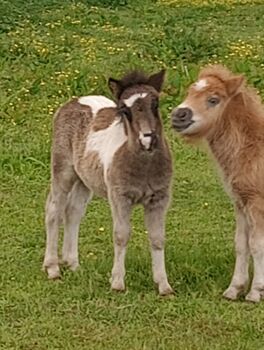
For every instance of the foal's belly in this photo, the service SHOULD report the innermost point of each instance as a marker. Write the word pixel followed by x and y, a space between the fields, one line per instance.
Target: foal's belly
pixel 90 171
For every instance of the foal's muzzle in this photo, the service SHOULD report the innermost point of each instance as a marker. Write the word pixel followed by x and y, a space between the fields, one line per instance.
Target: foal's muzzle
pixel 148 140
pixel 181 118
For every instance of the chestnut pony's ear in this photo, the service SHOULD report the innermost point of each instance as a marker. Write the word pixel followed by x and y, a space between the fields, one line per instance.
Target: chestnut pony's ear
pixel 233 84
pixel 115 86
pixel 156 80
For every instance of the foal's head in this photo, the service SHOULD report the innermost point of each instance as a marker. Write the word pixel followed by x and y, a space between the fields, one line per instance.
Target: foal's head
pixel 137 99
pixel 206 101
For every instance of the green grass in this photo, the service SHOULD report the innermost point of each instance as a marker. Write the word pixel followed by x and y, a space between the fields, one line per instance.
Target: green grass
pixel 52 50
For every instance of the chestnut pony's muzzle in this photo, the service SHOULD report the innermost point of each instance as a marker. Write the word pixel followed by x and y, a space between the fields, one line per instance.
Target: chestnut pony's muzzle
pixel 181 118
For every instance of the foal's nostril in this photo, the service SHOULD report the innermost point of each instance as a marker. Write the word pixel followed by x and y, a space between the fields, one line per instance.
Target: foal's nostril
pixel 154 139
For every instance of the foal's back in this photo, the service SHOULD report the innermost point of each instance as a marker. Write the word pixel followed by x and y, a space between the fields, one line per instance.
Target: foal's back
pixel 73 123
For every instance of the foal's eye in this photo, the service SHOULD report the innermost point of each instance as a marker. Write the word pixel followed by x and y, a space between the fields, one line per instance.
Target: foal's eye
pixel 155 107
pixel 213 101
pixel 155 104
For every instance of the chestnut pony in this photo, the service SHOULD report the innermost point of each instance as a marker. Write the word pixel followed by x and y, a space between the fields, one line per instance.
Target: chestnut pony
pixel 228 115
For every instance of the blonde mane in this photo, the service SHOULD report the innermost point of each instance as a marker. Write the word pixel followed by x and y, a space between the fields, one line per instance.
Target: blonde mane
pixel 252 100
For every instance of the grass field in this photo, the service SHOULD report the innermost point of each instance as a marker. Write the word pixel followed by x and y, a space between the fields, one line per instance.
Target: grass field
pixel 52 50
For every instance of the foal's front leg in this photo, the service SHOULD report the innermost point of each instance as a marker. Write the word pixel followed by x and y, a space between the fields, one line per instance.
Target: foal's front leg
pixel 76 203
pixel 155 223
pixel 121 211
pixel 256 246
pixel 54 211
pixel 239 280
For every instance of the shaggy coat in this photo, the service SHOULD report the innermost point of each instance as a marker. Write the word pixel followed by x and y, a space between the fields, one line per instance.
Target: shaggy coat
pixel 116 151
pixel 222 110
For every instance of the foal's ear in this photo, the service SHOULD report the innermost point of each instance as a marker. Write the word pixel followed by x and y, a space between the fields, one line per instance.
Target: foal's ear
pixel 115 86
pixel 156 80
pixel 233 84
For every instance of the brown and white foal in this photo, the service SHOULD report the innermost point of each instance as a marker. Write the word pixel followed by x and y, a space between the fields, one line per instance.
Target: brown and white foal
pixel 117 151
pixel 220 109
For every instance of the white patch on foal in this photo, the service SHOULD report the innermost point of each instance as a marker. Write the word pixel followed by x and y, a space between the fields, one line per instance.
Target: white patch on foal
pixel 106 142
pixel 96 103
pixel 200 84
pixel 131 100
pixel 145 140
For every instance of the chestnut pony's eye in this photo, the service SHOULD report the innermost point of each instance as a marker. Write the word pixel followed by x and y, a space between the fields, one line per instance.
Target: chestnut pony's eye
pixel 213 101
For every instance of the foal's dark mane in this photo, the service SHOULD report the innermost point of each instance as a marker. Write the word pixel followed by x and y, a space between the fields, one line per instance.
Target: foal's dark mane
pixel 136 78
pixel 132 78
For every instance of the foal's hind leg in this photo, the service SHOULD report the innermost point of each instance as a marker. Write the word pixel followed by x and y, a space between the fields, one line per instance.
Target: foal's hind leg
pixel 74 211
pixel 155 223
pixel 62 183
pixel 256 246
pixel 240 277
pixel 54 210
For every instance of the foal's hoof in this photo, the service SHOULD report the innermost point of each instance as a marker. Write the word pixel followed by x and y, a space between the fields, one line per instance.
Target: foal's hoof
pixel 255 296
pixel 165 289
pixel 231 293
pixel 72 264
pixel 53 272
pixel 52 268
pixel 117 284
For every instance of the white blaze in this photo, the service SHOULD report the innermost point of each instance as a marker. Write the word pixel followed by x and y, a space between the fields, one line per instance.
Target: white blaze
pixel 131 100
pixel 96 103
pixel 200 84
